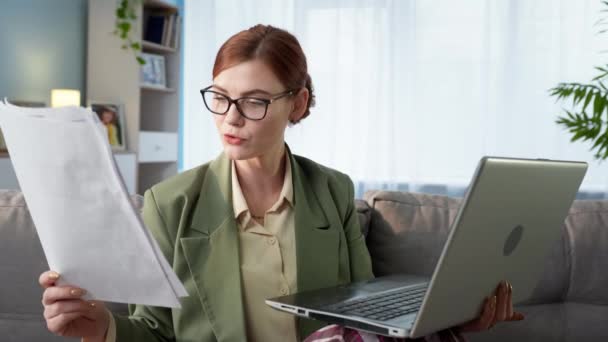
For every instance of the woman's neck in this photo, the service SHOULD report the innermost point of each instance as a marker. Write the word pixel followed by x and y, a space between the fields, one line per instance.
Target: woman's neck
pixel 261 179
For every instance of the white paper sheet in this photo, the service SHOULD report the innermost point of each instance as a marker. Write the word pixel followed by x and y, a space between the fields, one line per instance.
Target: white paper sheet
pixel 90 232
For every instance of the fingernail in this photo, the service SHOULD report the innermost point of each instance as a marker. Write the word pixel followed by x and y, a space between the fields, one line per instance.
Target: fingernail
pixel 77 292
pixel 54 275
pixel 510 287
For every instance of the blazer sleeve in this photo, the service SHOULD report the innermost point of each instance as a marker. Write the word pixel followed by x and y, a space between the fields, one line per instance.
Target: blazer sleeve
pixel 360 261
pixel 148 323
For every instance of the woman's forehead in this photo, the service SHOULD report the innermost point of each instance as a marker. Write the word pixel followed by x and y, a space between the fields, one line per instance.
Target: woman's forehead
pixel 246 76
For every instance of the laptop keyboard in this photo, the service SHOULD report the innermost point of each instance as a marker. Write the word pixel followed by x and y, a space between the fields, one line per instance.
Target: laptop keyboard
pixel 384 306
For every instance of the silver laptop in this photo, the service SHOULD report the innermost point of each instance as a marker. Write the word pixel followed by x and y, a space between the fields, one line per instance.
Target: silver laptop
pixel 512 213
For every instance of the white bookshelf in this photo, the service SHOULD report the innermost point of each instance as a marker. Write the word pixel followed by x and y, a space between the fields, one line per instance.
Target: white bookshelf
pixel 113 76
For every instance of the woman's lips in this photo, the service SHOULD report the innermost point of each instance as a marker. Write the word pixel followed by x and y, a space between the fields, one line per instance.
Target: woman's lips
pixel 232 140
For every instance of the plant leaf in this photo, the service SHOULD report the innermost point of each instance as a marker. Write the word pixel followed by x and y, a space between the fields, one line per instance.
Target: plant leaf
pixel 124 26
pixel 590 95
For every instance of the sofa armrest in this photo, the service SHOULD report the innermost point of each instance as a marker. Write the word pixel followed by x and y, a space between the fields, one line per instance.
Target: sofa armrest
pixel 364 212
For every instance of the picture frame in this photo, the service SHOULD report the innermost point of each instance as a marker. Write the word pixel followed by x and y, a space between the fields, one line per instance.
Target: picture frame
pixel 153 72
pixel 19 103
pixel 112 116
pixel 3 148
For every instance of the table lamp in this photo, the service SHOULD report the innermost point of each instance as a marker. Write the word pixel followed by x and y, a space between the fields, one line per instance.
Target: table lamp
pixel 65 97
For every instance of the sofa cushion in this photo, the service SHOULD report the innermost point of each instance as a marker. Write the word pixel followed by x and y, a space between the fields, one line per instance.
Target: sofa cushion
pixel 364 213
pixel 587 227
pixel 21 257
pixel 408 231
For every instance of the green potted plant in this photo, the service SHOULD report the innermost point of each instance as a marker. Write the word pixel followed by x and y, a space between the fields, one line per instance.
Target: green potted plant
pixel 125 18
pixel 587 120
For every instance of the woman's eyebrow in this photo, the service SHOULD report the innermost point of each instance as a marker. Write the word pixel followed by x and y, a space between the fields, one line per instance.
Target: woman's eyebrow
pixel 247 93
pixel 255 91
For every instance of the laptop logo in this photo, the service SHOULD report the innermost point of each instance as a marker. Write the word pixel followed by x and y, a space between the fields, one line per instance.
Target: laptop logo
pixel 513 240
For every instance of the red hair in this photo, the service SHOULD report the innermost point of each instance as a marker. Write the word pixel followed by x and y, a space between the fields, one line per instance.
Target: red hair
pixel 277 48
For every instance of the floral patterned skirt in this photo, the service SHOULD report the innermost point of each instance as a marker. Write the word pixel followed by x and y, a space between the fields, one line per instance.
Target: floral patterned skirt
pixel 337 333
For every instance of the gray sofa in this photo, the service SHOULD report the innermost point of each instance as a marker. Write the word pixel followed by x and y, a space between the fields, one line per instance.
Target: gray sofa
pixel 405 233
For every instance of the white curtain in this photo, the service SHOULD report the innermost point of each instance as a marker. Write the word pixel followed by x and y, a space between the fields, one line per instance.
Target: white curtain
pixel 410 94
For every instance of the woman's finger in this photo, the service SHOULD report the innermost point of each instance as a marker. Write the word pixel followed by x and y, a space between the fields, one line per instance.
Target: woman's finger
pixel 48 279
pixel 55 293
pixel 68 306
pixel 484 320
pixel 517 316
pixel 490 320
pixel 509 313
pixel 58 324
pixel 501 306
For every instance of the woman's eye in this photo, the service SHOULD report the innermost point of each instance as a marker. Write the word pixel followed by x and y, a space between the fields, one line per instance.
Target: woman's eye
pixel 219 98
pixel 254 102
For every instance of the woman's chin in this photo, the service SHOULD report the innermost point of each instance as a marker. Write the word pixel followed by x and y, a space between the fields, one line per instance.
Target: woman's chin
pixel 237 152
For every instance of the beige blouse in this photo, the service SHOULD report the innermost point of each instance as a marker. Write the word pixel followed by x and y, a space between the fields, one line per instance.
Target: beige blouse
pixel 268 261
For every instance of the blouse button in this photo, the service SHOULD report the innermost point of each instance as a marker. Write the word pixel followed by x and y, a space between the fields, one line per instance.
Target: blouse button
pixel 272 241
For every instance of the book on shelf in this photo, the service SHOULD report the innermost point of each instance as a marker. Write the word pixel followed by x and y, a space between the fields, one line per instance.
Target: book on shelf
pixel 177 31
pixel 162 29
pixel 155 26
pixel 167 32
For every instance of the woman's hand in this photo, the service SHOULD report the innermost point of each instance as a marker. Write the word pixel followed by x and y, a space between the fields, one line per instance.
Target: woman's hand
pixel 66 314
pixel 497 308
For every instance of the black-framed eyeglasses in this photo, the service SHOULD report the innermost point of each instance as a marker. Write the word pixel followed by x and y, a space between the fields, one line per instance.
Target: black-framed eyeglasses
pixel 252 108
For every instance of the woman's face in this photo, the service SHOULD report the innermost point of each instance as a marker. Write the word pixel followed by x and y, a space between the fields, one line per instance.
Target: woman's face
pixel 243 138
pixel 107 117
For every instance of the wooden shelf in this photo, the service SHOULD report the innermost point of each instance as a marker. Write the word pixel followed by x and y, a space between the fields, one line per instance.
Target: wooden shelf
pixel 159 89
pixel 160 4
pixel 154 47
pixel 4 155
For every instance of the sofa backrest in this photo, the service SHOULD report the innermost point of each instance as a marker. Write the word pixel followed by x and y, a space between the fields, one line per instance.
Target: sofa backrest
pixel 21 262
pixel 21 258
pixel 407 231
pixel 587 248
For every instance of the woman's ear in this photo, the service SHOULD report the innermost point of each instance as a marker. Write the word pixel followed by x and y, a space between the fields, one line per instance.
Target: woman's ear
pixel 299 105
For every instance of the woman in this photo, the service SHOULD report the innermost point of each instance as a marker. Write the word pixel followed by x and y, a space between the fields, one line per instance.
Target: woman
pixel 256 222
pixel 108 118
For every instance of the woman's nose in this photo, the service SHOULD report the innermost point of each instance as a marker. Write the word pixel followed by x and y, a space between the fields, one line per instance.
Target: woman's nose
pixel 233 117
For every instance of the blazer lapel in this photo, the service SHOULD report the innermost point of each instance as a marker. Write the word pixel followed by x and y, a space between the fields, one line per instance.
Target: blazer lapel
pixel 317 241
pixel 211 247
pixel 211 250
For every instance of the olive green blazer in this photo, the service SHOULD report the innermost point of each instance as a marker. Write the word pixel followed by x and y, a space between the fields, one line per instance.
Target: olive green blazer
pixel 191 217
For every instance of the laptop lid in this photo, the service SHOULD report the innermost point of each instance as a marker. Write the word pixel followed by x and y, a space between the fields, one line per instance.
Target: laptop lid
pixel 511 215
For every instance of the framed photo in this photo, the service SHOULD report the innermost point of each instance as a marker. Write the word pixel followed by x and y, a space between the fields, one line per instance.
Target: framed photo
pixel 112 116
pixel 153 73
pixel 2 144
pixel 19 103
